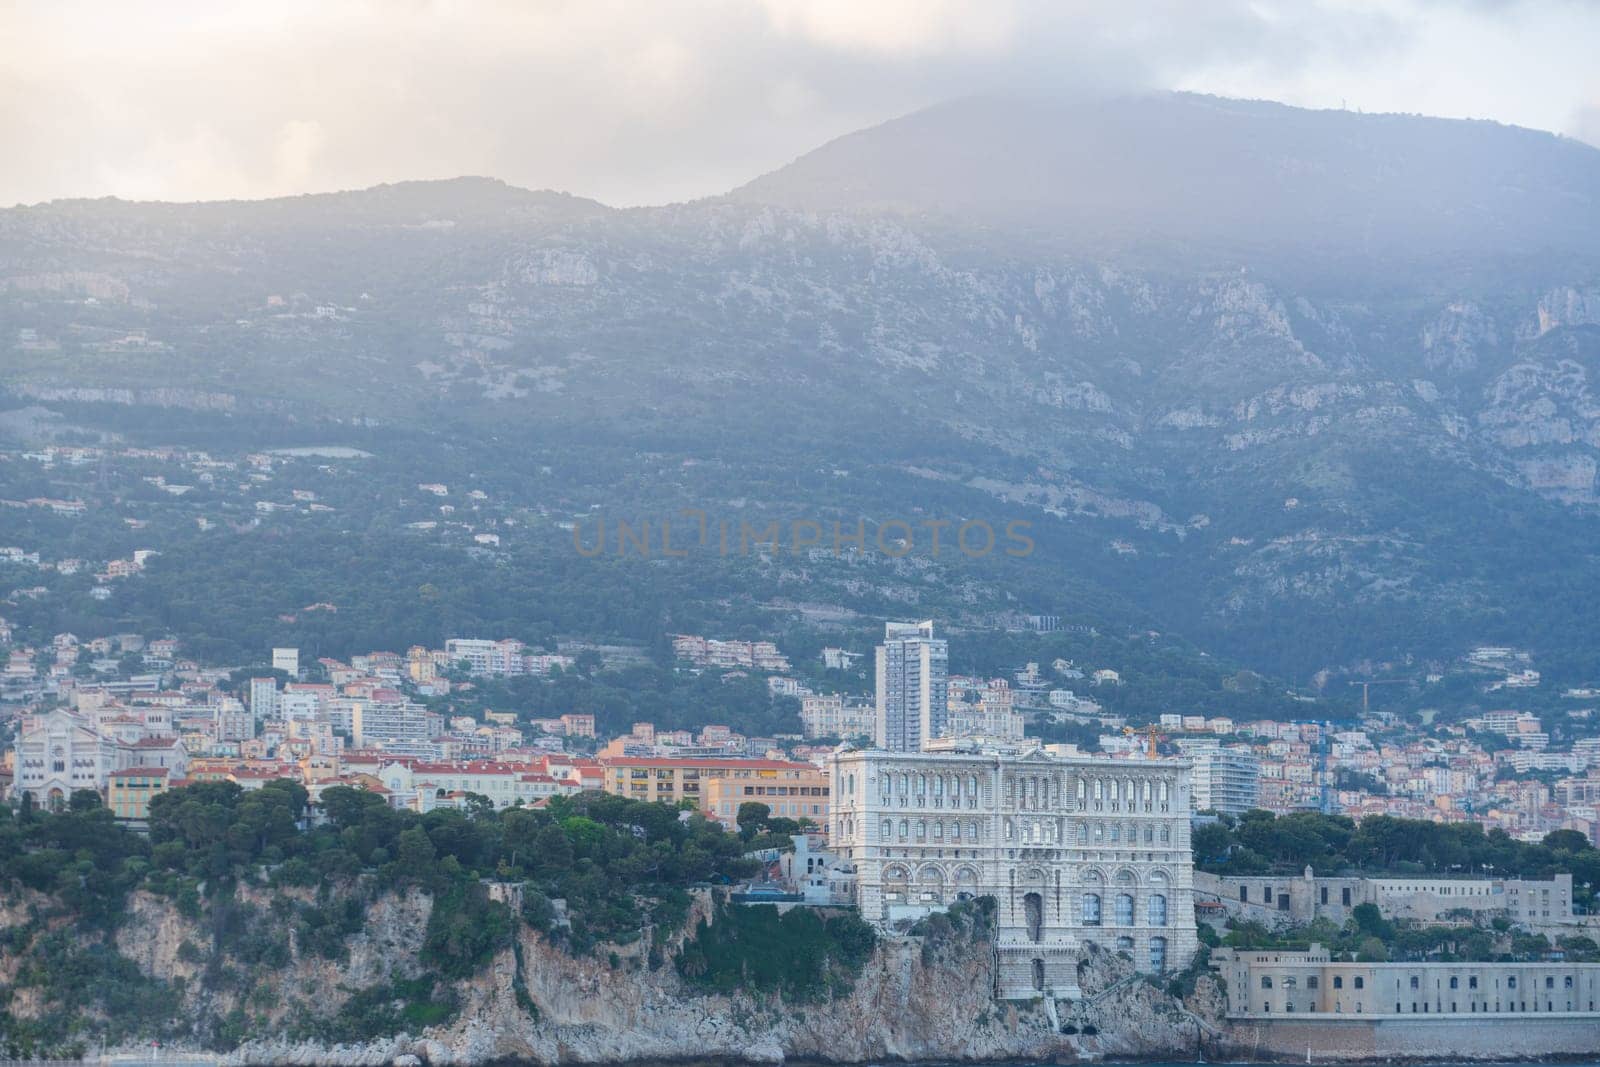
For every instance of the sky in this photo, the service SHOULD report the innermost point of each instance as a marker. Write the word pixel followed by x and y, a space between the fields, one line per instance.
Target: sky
pixel 651 101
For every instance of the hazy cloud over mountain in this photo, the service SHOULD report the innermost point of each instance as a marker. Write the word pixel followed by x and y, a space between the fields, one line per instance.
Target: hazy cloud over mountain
pixel 638 103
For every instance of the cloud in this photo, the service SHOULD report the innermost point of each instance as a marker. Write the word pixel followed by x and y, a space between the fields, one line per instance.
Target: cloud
pixel 640 103
pixel 900 28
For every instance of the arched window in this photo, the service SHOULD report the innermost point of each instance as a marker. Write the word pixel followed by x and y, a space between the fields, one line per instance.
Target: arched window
pixel 887 828
pixel 972 831
pixel 1338 981
pixel 1360 983
pixel 1158 910
pixel 1266 982
pixel 1091 909
pixel 972 785
pixel 938 785
pixel 938 829
pixel 1124 909
pixel 1083 833
pixel 905 829
pixel 1158 954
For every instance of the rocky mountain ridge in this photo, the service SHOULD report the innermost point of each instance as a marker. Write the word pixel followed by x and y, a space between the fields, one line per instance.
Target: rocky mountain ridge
pixel 1272 427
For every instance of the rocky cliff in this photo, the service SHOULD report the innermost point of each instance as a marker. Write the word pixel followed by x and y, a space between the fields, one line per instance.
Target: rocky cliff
pixel 918 998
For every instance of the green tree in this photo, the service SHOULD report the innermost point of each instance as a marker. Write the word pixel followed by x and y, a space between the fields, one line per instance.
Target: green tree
pixel 414 855
pixel 1369 920
pixel 751 817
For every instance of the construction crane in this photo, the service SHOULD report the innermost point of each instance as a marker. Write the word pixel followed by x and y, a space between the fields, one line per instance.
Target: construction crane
pixel 1152 735
pixel 1364 683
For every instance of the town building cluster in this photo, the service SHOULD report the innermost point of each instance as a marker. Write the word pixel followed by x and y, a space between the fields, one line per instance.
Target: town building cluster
pixel 925 795
pixel 362 723
pixel 1374 767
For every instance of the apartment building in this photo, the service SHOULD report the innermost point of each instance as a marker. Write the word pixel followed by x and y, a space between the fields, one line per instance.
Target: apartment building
pixel 798 794
pixel 831 715
pixel 913 670
pixel 673 780
pixel 129 791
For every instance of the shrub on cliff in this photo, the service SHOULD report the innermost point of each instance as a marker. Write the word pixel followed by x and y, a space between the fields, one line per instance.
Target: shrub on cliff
pixel 802 953
pixel 465 929
pixel 401 1006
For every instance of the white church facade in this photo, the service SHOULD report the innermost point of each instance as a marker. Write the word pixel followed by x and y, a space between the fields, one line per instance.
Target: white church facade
pixel 61 752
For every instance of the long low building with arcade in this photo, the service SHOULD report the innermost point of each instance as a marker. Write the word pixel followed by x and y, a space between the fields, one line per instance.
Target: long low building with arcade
pixel 1074 850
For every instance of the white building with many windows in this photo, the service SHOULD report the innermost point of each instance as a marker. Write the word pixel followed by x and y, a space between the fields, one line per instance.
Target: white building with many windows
pixel 913 679
pixel 1225 780
pixel 1073 850
pixel 831 715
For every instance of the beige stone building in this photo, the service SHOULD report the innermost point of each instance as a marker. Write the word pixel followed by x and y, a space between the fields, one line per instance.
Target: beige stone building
pixel 1274 983
pixel 1543 905
pixel 1073 850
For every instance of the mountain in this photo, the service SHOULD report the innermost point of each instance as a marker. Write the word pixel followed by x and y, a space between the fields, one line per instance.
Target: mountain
pixel 1207 178
pixel 1308 388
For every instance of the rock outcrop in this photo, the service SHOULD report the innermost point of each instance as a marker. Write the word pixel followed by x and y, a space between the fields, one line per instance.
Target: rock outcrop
pixel 917 999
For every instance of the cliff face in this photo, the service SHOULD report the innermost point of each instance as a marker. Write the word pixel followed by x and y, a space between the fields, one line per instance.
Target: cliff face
pixel 909 1003
pixel 916 999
